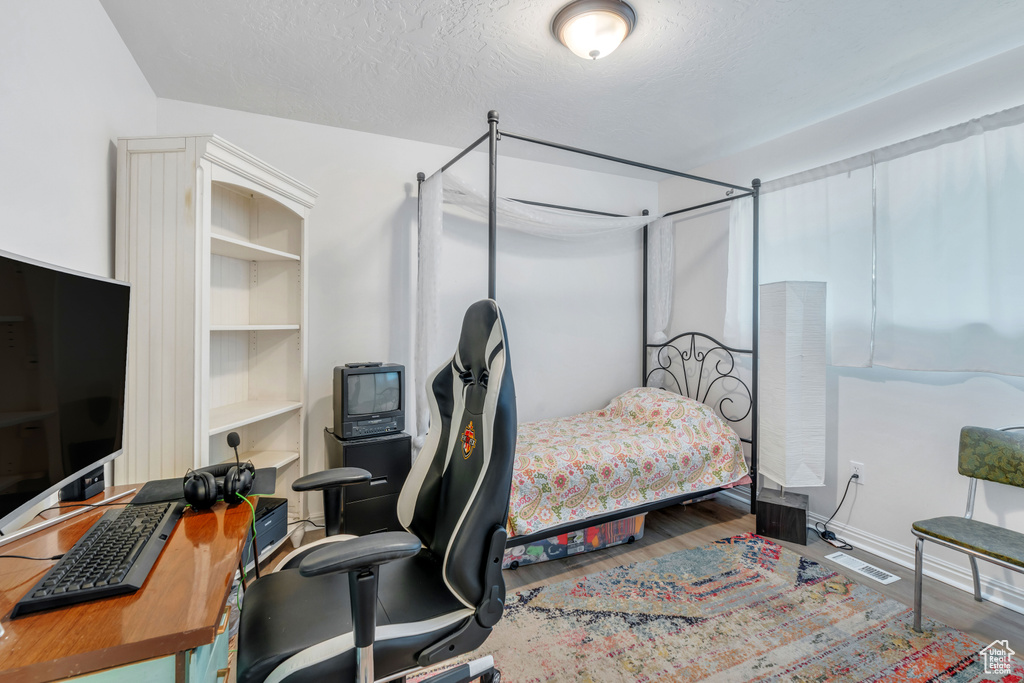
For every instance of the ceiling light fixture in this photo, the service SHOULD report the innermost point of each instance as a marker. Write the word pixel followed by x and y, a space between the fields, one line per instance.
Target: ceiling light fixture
pixel 592 29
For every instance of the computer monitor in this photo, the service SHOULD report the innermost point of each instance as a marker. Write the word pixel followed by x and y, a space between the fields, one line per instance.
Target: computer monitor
pixel 63 367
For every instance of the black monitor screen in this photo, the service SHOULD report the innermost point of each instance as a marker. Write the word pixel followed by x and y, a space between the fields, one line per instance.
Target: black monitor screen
pixel 377 392
pixel 63 358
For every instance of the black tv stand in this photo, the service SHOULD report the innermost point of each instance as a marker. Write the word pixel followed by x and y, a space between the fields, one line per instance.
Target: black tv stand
pixel 369 508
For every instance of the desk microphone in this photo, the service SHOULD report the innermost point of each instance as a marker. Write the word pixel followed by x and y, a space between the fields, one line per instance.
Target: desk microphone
pixel 233 441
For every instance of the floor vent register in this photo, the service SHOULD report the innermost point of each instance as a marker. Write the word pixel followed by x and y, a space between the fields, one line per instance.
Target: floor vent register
pixel 862 567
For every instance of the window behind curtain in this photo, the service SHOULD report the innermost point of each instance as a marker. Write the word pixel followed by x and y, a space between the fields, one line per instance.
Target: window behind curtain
pixel 945 226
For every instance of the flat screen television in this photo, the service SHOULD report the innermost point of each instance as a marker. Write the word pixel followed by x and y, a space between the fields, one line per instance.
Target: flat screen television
pixel 63 364
pixel 369 400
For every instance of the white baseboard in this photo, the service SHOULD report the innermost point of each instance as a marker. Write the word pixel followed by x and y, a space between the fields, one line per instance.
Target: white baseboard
pixel 738 496
pixel 957 575
pixel 297 532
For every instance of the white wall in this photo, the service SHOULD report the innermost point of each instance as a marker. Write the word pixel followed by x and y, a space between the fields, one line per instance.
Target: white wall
pixel 68 88
pixel 902 425
pixel 572 307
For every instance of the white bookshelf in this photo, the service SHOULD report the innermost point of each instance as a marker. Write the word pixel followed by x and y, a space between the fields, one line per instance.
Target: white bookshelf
pixel 213 241
pixel 237 415
pixel 222 245
pixel 278 459
pixel 251 328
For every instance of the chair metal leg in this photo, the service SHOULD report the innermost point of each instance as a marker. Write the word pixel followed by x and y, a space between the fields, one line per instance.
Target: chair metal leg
pixel 364 664
pixel 977 580
pixel 918 580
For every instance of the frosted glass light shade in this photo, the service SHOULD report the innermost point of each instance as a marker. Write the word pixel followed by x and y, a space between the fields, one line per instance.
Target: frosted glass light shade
pixel 593 29
pixel 791 383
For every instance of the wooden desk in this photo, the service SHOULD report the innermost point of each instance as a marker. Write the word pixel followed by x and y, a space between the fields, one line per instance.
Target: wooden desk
pixel 179 607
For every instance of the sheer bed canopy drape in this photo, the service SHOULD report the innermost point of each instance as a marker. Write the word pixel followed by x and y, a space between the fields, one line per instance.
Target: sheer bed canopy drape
pixel 564 223
pixel 921 245
pixel 446 188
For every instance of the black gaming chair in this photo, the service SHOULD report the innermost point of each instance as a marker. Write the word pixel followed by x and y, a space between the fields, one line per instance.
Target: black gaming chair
pixel 379 607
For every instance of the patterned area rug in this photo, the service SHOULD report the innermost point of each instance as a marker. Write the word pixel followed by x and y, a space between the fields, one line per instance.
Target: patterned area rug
pixel 742 609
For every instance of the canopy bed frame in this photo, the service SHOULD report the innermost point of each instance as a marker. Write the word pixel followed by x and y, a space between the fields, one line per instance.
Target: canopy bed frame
pixel 711 362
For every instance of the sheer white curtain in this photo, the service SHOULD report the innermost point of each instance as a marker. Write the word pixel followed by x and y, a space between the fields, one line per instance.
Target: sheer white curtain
pixel 429 254
pixel 920 244
pixel 534 220
pixel 950 256
pixel 660 278
pixel 820 231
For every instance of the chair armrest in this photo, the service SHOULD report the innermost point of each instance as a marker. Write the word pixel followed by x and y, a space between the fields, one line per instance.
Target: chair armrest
pixel 332 478
pixel 361 553
pixel 360 557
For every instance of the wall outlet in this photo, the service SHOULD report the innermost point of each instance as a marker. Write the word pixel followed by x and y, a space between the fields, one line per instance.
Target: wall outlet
pixel 858 469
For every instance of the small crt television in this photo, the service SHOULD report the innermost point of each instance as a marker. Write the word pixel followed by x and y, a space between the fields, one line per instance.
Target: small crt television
pixel 369 400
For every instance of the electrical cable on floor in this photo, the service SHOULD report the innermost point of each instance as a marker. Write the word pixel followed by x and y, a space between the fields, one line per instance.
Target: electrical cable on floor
pixel 318 526
pixel 26 557
pixel 823 532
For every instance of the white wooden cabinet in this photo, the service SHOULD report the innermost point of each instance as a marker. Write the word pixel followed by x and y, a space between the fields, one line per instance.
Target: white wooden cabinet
pixel 213 242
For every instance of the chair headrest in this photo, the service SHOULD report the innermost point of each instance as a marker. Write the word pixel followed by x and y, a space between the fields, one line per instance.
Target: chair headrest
pixel 479 343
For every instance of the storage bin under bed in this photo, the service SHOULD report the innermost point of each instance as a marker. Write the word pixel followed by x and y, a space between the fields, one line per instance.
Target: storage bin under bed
pixel 574 542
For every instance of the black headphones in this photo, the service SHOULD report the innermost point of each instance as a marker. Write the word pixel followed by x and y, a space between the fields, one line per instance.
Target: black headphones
pixel 207 485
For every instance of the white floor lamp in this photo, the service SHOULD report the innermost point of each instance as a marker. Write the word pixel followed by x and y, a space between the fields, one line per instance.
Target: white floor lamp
pixel 791 404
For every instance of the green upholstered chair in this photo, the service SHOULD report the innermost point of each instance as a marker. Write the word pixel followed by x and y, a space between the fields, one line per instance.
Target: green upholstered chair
pixel 993 455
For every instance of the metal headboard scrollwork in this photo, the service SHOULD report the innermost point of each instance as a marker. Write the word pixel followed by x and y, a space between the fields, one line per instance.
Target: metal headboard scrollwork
pixel 693 364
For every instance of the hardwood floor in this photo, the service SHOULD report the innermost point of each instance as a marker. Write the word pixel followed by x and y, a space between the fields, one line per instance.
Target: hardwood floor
pixel 690 526
pixel 681 527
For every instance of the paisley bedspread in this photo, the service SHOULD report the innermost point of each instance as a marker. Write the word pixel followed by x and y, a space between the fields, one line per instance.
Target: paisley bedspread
pixel 647 444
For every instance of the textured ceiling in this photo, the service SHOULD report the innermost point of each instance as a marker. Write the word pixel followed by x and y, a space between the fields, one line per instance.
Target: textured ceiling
pixel 696 81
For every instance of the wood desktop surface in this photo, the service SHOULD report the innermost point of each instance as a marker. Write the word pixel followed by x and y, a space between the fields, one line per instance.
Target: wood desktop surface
pixel 178 608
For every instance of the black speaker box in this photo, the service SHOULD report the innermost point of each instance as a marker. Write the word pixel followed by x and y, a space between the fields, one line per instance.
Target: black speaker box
pixel 88 486
pixel 782 517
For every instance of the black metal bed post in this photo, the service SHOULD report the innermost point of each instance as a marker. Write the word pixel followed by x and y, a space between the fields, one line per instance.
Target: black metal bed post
pixel 730 198
pixel 464 152
pixel 643 347
pixel 619 160
pixel 492 209
pixel 754 304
